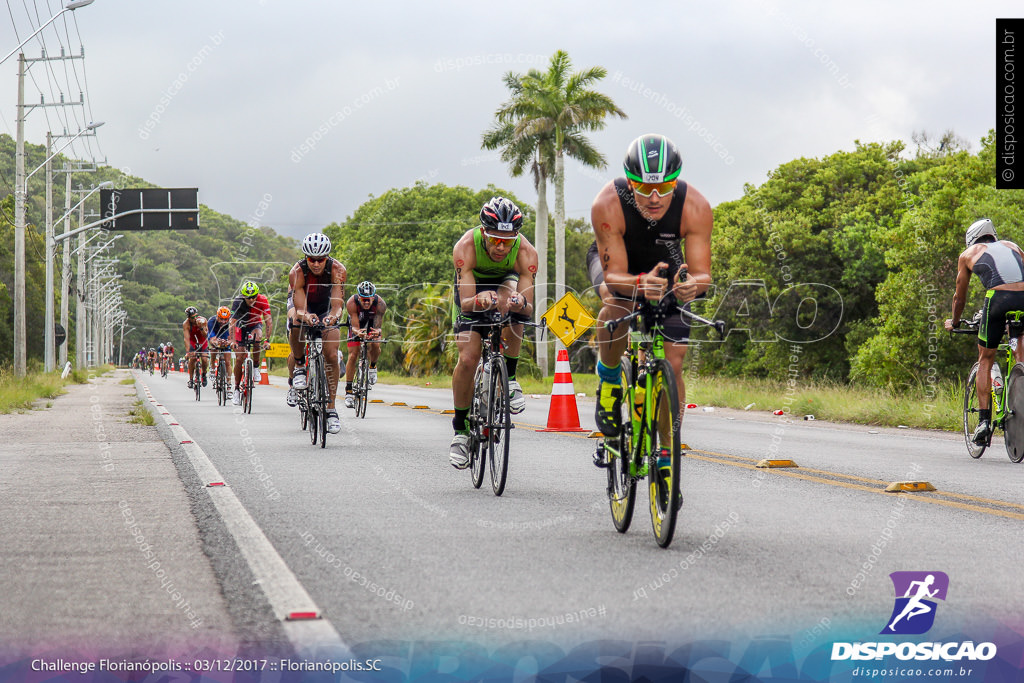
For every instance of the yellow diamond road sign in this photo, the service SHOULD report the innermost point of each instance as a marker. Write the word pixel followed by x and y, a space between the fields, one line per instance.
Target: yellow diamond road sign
pixel 277 351
pixel 568 319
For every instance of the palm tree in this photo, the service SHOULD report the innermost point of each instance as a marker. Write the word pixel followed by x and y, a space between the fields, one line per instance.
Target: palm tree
pixel 543 121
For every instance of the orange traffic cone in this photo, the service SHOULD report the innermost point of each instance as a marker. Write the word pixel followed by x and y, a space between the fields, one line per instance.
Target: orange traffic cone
pixel 264 373
pixel 562 413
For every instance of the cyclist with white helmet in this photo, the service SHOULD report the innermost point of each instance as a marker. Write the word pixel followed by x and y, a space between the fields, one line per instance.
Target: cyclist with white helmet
pixel 999 264
pixel 365 311
pixel 495 268
pixel 652 233
pixel 317 282
pixel 249 313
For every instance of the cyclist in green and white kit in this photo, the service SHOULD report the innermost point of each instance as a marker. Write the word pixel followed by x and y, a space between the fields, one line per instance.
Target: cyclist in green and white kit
pixel 495 267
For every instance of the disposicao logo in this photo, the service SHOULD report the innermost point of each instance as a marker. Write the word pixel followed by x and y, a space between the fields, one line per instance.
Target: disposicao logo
pixel 916 595
pixel 913 614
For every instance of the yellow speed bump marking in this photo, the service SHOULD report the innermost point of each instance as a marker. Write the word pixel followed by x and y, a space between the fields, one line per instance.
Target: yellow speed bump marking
pixel 448 411
pixel 909 486
pixel 399 403
pixel 421 407
pixel 376 400
pixel 595 435
pixel 766 463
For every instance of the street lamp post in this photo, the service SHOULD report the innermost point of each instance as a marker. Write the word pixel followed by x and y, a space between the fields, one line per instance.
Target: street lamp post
pixel 48 329
pixel 20 359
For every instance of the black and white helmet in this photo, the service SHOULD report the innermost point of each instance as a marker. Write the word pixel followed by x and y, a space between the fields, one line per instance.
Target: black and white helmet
pixel 978 230
pixel 316 244
pixel 501 216
pixel 366 289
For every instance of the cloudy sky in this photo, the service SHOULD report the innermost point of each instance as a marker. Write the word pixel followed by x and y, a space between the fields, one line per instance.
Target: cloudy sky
pixel 308 107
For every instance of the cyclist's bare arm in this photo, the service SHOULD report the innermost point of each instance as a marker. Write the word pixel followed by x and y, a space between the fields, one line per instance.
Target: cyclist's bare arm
pixel 609 230
pixel 378 319
pixel 297 283
pixel 963 280
pixel 526 266
pixel 338 277
pixel 695 231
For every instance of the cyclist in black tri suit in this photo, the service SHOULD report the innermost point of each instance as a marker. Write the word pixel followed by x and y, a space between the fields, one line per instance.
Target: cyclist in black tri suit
pixel 365 311
pixel 648 226
pixel 1000 267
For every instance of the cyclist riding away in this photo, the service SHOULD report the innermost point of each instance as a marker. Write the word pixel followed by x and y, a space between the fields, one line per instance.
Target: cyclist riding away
pixel 365 313
pixel 195 332
pixel 249 313
pixel 646 224
pixel 218 332
pixel 495 268
pixel 318 293
pixel 999 264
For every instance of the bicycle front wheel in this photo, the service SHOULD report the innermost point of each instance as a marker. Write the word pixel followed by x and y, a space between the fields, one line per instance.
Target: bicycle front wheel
pixel 247 383
pixel 665 426
pixel 197 377
pixel 476 418
pixel 971 418
pixel 362 388
pixel 499 424
pixel 1013 426
pixel 320 379
pixel 619 452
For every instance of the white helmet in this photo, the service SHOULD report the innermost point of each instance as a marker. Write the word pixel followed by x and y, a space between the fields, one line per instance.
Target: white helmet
pixel 978 230
pixel 316 244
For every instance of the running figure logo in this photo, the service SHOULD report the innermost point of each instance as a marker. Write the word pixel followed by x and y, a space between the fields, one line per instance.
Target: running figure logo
pixel 914 611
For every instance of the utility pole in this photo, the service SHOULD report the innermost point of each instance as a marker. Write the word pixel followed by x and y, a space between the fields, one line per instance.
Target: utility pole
pixel 20 359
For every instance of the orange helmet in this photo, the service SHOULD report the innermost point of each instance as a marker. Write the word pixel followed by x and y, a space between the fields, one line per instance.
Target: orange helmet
pixel 223 313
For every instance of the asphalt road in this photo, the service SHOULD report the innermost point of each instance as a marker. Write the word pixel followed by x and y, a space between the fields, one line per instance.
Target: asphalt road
pixel 393 544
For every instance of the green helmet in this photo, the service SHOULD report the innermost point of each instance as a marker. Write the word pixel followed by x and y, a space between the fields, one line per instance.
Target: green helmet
pixel 250 288
pixel 652 159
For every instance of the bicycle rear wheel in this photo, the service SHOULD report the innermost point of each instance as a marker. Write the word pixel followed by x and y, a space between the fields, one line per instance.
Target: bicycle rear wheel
pixel 477 462
pixel 499 424
pixel 665 429
pixel 971 418
pixel 1013 426
pixel 619 451
pixel 197 377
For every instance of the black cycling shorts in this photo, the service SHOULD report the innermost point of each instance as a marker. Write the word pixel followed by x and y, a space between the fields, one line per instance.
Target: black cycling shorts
pixel 677 326
pixel 998 302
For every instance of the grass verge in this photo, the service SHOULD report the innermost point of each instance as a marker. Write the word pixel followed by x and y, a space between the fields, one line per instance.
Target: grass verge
pixel 826 401
pixel 140 415
pixel 20 393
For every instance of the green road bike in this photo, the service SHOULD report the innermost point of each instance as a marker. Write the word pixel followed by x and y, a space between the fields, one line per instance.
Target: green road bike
pixel 1007 401
pixel 650 422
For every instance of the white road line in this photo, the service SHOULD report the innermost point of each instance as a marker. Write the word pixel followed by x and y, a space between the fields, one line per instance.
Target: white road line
pixel 312 638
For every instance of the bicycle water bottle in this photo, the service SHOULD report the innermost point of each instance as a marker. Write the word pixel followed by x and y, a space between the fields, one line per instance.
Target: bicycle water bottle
pixel 997 384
